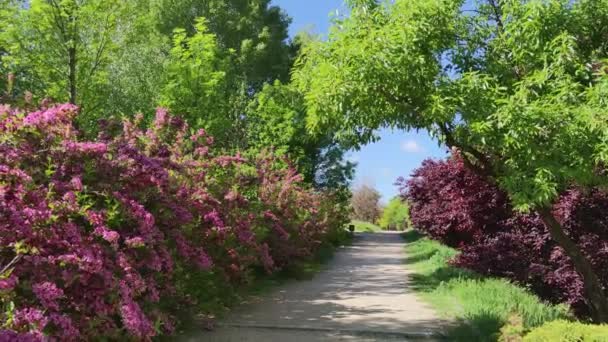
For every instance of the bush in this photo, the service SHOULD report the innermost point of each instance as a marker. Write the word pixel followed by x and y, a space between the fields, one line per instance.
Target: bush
pixel 104 235
pixel 396 215
pixel 564 331
pixel 453 205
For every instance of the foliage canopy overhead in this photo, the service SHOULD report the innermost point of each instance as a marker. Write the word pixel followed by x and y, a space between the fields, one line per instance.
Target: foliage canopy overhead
pixel 518 86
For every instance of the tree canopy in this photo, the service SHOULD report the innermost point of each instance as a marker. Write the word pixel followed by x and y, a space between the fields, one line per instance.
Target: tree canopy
pixel 517 87
pixel 222 65
pixel 396 215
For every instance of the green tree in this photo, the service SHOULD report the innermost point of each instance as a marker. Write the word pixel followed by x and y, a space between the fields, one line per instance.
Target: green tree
pixel 60 48
pixel 196 81
pixel 396 215
pixel 517 87
pixel 277 117
pixel 118 57
pixel 254 30
pixel 138 68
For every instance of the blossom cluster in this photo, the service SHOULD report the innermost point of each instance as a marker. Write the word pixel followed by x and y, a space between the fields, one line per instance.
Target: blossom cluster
pixel 94 233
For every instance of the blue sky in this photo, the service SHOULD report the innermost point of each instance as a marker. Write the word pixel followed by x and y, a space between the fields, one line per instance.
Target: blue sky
pixel 398 152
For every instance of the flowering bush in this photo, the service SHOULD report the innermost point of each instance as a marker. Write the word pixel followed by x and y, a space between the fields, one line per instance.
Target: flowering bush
pixel 453 205
pixel 94 233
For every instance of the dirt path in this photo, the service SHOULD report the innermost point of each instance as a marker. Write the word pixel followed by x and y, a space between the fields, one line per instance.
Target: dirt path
pixel 363 295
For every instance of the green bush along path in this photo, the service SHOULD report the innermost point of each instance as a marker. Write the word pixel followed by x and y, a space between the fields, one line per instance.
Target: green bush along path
pixel 364 294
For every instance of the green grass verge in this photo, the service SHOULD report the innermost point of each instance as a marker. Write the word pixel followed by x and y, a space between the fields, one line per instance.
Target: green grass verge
pixel 365 227
pixel 480 306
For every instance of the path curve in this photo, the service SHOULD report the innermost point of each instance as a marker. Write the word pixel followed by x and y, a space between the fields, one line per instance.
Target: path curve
pixel 363 295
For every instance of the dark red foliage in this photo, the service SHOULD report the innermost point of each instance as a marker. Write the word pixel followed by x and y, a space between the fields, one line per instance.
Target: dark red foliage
pixel 453 205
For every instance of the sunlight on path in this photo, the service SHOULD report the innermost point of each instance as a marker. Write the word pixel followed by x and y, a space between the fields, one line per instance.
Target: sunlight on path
pixel 363 295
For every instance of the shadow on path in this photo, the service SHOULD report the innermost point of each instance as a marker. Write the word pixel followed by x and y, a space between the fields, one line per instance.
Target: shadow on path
pixel 365 292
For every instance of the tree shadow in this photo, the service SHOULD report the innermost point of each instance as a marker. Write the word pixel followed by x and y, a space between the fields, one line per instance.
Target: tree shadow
pixel 482 328
pixel 411 236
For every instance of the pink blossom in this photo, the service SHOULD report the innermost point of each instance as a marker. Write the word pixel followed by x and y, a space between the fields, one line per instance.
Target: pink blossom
pixel 161 117
pixel 8 283
pixel 48 293
pixel 31 317
pixel 76 183
pixel 85 147
pixel 135 242
pixel 135 321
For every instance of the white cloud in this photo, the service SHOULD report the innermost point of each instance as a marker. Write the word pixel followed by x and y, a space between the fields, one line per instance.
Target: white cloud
pixel 411 146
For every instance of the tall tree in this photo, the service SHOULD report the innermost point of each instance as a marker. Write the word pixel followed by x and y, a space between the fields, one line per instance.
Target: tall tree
pixel 60 48
pixel 396 215
pixel 254 30
pixel 196 81
pixel 118 57
pixel 518 87
pixel 277 118
pixel 365 203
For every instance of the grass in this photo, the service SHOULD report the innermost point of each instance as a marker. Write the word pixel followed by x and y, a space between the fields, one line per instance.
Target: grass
pixel 365 227
pixel 480 306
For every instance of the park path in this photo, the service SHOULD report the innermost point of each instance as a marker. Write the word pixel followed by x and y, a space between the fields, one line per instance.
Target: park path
pixel 364 294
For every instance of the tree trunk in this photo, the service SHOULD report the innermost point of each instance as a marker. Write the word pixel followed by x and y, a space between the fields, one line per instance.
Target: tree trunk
pixel 72 76
pixel 594 291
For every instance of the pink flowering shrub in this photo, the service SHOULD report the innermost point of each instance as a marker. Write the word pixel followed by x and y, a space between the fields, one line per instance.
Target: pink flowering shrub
pixel 451 204
pixel 94 235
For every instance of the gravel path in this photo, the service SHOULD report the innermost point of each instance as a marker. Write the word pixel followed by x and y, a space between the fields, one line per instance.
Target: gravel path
pixel 363 295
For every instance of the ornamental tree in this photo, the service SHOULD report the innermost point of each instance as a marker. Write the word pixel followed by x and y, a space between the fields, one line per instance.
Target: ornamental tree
pixel 517 87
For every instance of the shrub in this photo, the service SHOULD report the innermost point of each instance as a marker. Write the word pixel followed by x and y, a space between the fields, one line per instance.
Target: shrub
pixel 453 205
pixel 565 331
pixel 98 235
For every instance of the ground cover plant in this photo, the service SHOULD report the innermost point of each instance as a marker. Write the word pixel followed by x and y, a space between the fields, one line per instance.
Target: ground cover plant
pixel 479 305
pixel 111 234
pixel 568 332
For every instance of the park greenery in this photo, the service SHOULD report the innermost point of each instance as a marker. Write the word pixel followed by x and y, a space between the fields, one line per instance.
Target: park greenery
pixel 153 159
pixel 396 215
pixel 155 153
pixel 516 88
pixel 480 306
